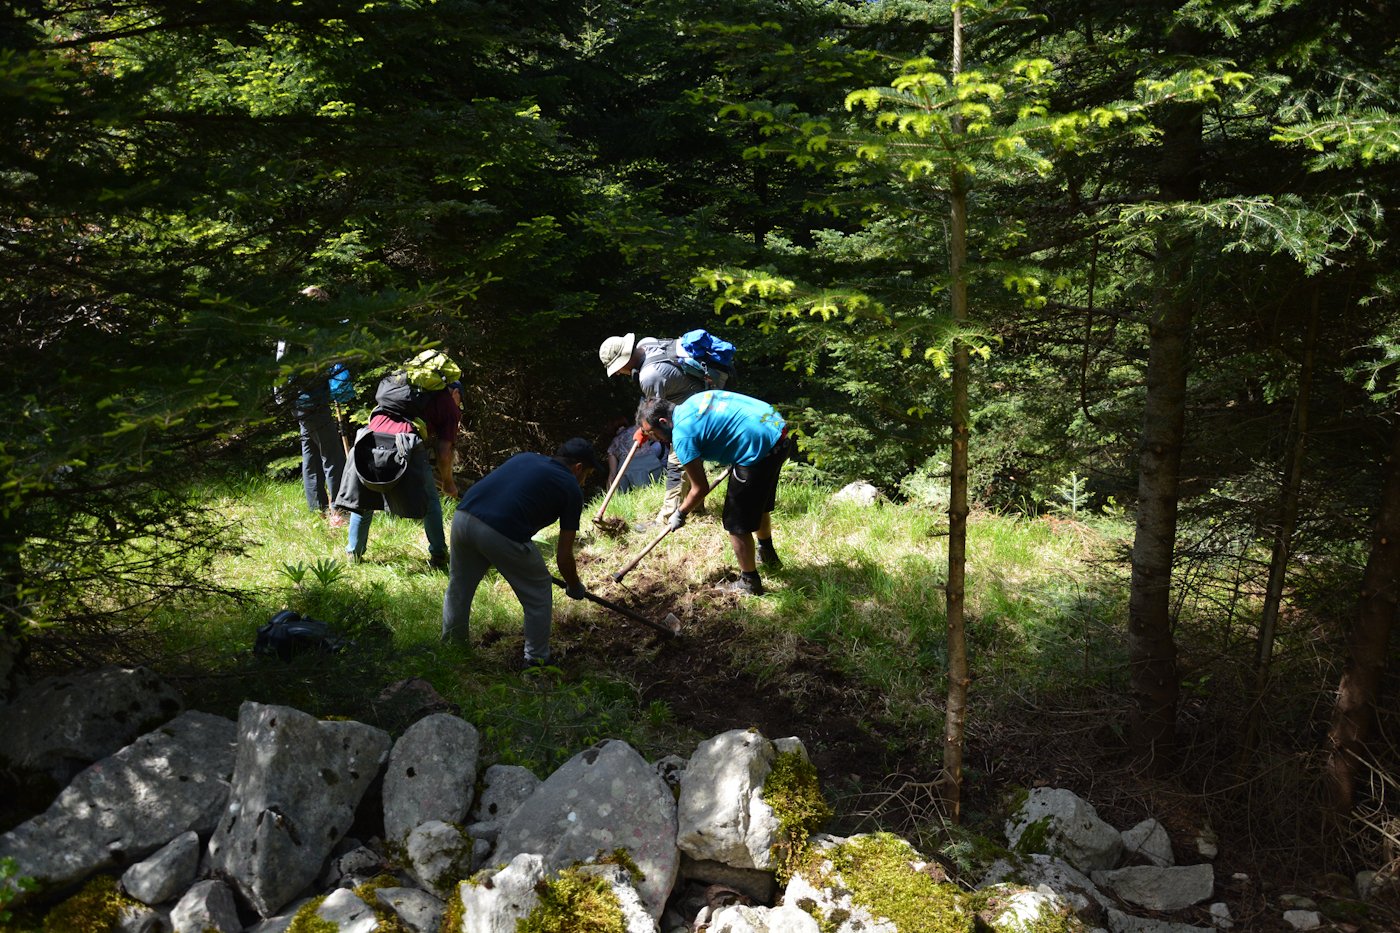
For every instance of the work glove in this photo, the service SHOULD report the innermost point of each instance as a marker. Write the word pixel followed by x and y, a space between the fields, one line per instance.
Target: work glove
pixel 639 436
pixel 576 591
pixel 677 520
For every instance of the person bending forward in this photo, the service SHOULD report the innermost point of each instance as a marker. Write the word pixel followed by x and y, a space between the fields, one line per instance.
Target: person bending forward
pixel 493 527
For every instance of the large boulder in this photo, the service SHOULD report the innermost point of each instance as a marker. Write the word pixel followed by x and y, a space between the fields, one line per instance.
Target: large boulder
pixel 296 784
pixel 721 814
pixel 1054 821
pixel 59 725
pixel 119 810
pixel 431 775
pixel 605 798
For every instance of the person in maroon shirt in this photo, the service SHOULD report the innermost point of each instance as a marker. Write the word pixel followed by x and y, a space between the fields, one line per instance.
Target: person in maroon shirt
pixel 443 418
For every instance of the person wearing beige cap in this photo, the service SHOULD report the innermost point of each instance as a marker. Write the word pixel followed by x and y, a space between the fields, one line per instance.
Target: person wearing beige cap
pixel 657 364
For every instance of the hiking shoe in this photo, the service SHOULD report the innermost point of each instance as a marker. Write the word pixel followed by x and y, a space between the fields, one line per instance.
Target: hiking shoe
pixel 523 664
pixel 440 562
pixel 767 556
pixel 745 585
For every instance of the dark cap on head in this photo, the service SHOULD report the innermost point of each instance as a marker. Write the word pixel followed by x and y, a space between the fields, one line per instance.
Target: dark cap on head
pixel 579 450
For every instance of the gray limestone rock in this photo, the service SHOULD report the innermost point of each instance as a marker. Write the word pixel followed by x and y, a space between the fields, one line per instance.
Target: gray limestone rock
pixel 349 914
pixel 756 884
pixel 825 895
pixel 61 724
pixel 296 783
pixel 1149 840
pixel 140 918
pixel 207 907
pixel 738 918
pixel 1119 922
pixel 494 900
pixel 504 787
pixel 166 873
pixel 1027 909
pixel 1302 919
pixel 126 806
pixel 604 798
pixel 721 814
pixel 439 855
pixel 418 910
pixel 1065 825
pixel 1045 871
pixel 431 775
pixel 859 493
pixel 635 916
pixel 1172 888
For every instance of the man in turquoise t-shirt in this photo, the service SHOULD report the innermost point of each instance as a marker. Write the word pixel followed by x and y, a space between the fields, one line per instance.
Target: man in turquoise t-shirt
pixel 740 432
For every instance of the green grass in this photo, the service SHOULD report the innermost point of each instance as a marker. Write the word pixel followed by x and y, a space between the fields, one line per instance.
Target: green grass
pixel 863 584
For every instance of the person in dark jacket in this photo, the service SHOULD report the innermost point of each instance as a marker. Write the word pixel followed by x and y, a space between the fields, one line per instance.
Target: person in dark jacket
pixel 493 527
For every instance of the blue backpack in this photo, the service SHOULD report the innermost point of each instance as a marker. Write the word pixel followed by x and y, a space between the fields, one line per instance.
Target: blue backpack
pixel 703 356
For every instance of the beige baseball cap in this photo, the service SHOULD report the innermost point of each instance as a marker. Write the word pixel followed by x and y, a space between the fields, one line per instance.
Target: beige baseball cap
pixel 616 352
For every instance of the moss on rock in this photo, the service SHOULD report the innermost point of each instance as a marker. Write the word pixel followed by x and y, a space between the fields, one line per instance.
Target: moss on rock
pixel 794 793
pixel 575 902
pixel 878 872
pixel 98 906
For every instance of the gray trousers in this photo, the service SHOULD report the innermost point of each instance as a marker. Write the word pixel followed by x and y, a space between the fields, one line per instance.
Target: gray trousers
pixel 322 457
pixel 476 548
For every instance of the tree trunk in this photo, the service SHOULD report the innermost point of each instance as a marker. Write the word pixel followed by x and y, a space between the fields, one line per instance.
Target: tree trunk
pixel 956 719
pixel 1358 694
pixel 1288 509
pixel 1153 678
pixel 1283 544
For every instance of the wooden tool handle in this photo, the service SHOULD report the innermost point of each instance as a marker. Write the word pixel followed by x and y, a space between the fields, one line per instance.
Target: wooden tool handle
pixel 617 480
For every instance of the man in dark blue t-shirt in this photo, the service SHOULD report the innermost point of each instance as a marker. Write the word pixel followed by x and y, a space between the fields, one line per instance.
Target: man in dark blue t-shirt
pixel 495 521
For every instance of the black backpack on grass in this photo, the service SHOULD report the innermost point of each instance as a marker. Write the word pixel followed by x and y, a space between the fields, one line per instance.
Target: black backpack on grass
pixel 289 634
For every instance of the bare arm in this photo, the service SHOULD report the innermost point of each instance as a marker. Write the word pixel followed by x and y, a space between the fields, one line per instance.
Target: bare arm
pixel 699 485
pixel 564 557
pixel 444 469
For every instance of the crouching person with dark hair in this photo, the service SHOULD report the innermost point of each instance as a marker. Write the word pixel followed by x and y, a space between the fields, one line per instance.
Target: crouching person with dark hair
pixel 493 527
pixel 745 434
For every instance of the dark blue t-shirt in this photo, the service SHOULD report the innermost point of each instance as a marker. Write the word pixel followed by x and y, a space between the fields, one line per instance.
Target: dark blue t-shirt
pixel 524 494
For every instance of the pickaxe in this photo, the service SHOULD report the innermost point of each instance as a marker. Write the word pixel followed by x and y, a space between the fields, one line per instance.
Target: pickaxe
pixel 617 480
pixel 672 625
pixel 617 577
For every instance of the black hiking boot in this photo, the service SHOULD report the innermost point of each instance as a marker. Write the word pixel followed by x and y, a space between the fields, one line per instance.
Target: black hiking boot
pixel 767 556
pixel 748 584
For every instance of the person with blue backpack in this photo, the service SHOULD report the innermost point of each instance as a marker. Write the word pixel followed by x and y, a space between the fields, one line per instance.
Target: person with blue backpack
pixel 674 370
pixel 323 443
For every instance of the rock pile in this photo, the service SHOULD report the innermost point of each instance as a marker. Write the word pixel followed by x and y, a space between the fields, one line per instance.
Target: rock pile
pixel 214 825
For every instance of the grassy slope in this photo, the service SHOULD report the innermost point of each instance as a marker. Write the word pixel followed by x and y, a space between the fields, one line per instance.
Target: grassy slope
pixel 862 584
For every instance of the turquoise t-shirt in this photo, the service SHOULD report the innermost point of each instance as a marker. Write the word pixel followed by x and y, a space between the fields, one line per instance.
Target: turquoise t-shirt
pixel 725 428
